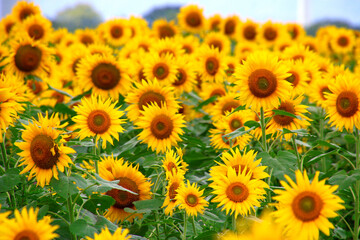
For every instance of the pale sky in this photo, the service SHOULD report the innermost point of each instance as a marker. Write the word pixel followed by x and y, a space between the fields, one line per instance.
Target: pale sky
pixel 257 10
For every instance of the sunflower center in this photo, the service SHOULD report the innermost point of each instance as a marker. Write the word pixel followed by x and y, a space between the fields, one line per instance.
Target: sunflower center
pixel 193 19
pixel 191 200
pixel 44 152
pixel 161 126
pixel 262 83
pixel 105 76
pixel 98 121
pixel 27 235
pixel 161 71
pixel 323 91
pixel 75 65
pixel 307 206
pixel 347 104
pixel 35 86
pixel 8 27
pixel 116 31
pixel 173 191
pixel 230 27
pixel 270 34
pixel 212 66
pixel 180 77
pixel 166 31
pixel 235 124
pixel 86 39
pixel 217 92
pixel 216 44
pixel 231 69
pixel 25 13
pixel 171 166
pixel 343 41
pixel 249 33
pixel 229 106
pixel 215 25
pixel 36 31
pixel 28 58
pixel 237 192
pixel 150 97
pixel 282 119
pixel 122 198
pixel 188 49
pixel 58 96
pixel 293 78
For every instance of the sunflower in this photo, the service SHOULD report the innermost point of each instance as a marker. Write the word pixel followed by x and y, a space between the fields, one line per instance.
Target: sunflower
pixel 188 43
pixel 145 93
pixel 304 207
pixel 211 64
pixel 189 197
pixel 317 90
pixel 185 76
pixel 229 25
pixel 211 89
pixel 57 35
pixel 119 234
pixel 270 33
pixel 6 25
pixel 225 104
pixel 244 49
pixel 86 36
pixel 160 126
pixel 214 22
pixel 138 27
pixel 171 164
pixel 247 31
pixel 100 49
pixel 237 193
pixel 161 28
pixel 24 9
pixel 175 182
pixel 343 102
pixel 262 81
pixel 278 121
pixel 116 32
pixel 37 27
pixel 191 19
pixel 342 40
pixel 131 179
pixel 296 31
pixel 28 57
pixel 43 150
pixel 105 75
pixel 311 43
pixel 166 46
pixel 298 78
pixel 218 41
pixel 297 51
pixel 160 67
pixel 25 225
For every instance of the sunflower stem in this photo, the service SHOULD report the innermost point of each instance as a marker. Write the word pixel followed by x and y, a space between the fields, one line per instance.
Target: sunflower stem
pixel 297 152
pixel 71 215
pixel 234 222
pixel 263 128
pixel 185 223
pixel 323 161
pixel 3 154
pixel 193 225
pixel 96 165
pixel 357 188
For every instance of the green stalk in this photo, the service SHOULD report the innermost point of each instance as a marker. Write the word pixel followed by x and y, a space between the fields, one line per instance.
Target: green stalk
pixel 185 223
pixel 234 227
pixel 193 224
pixel 3 154
pixel 297 152
pixel 71 215
pixel 96 154
pixel 323 162
pixel 357 190
pixel 263 128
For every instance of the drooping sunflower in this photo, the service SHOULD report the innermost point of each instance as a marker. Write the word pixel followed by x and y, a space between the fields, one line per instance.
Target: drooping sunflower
pixel 119 234
pixel 342 103
pixel 218 40
pixel 160 67
pixel 43 151
pixel 229 25
pixel 24 9
pixel 28 57
pixel 304 207
pixel 131 179
pixel 211 64
pixel 25 225
pixel 237 193
pixel 299 78
pixel 37 27
pixel 262 81
pixel 214 22
pixel 98 118
pixel 191 19
pixel 171 164
pixel 190 198
pixel 247 31
pixel 105 75
pixel 160 126
pixel 174 183
pixel 161 28
pixel 342 40
pixel 145 93
pixel 116 32
pixel 278 121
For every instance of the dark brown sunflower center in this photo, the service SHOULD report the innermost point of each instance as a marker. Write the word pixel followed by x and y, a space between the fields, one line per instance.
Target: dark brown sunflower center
pixel 216 44
pixel 87 39
pixel 293 78
pixel 28 58
pixel 230 27
pixel 161 71
pixel 161 126
pixel 141 75
pixel 58 96
pixel 180 77
pixel 116 31
pixel 35 86
pixel 172 167
pixel 347 104
pixel 98 121
pixel 122 198
pixel 298 57
pixel 188 49
pixel 105 76
pixel 262 83
pixel 212 66
pixel 26 235
pixel 144 46
pixel 237 192
pixel 229 106
pixel 150 97
pixel 173 191
pixel 166 31
pixel 217 92
pixel 44 152
pixel 191 200
pixel 25 13
pixel 8 27
pixel 270 34
pixel 235 124
pixel 231 69
pixel 36 31
pixel 282 119
pixel 215 25
pixel 343 41
pixel 307 206
pixel 323 91
pixel 249 33
pixel 75 65
pixel 193 19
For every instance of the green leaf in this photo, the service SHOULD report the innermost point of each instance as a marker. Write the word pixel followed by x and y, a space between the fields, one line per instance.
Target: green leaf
pixel 212 217
pixel 206 102
pixel 237 133
pixel 208 235
pixel 108 185
pixel 42 211
pixel 81 228
pixel 62 108
pixel 96 202
pixel 327 144
pixel 344 180
pixel 283 113
pixel 64 186
pixel 252 123
pixel 101 222
pixel 150 204
pixel 10 179
pixel 284 163
pixel 318 157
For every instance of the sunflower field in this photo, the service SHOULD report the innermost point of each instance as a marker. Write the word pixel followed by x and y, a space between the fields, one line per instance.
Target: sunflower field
pixel 207 128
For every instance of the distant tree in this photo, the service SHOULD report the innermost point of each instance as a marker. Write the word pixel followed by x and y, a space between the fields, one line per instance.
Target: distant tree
pixel 312 29
pixel 167 12
pixel 80 16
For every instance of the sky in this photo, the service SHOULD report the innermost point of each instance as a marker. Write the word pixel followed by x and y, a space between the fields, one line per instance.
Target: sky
pixel 257 10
